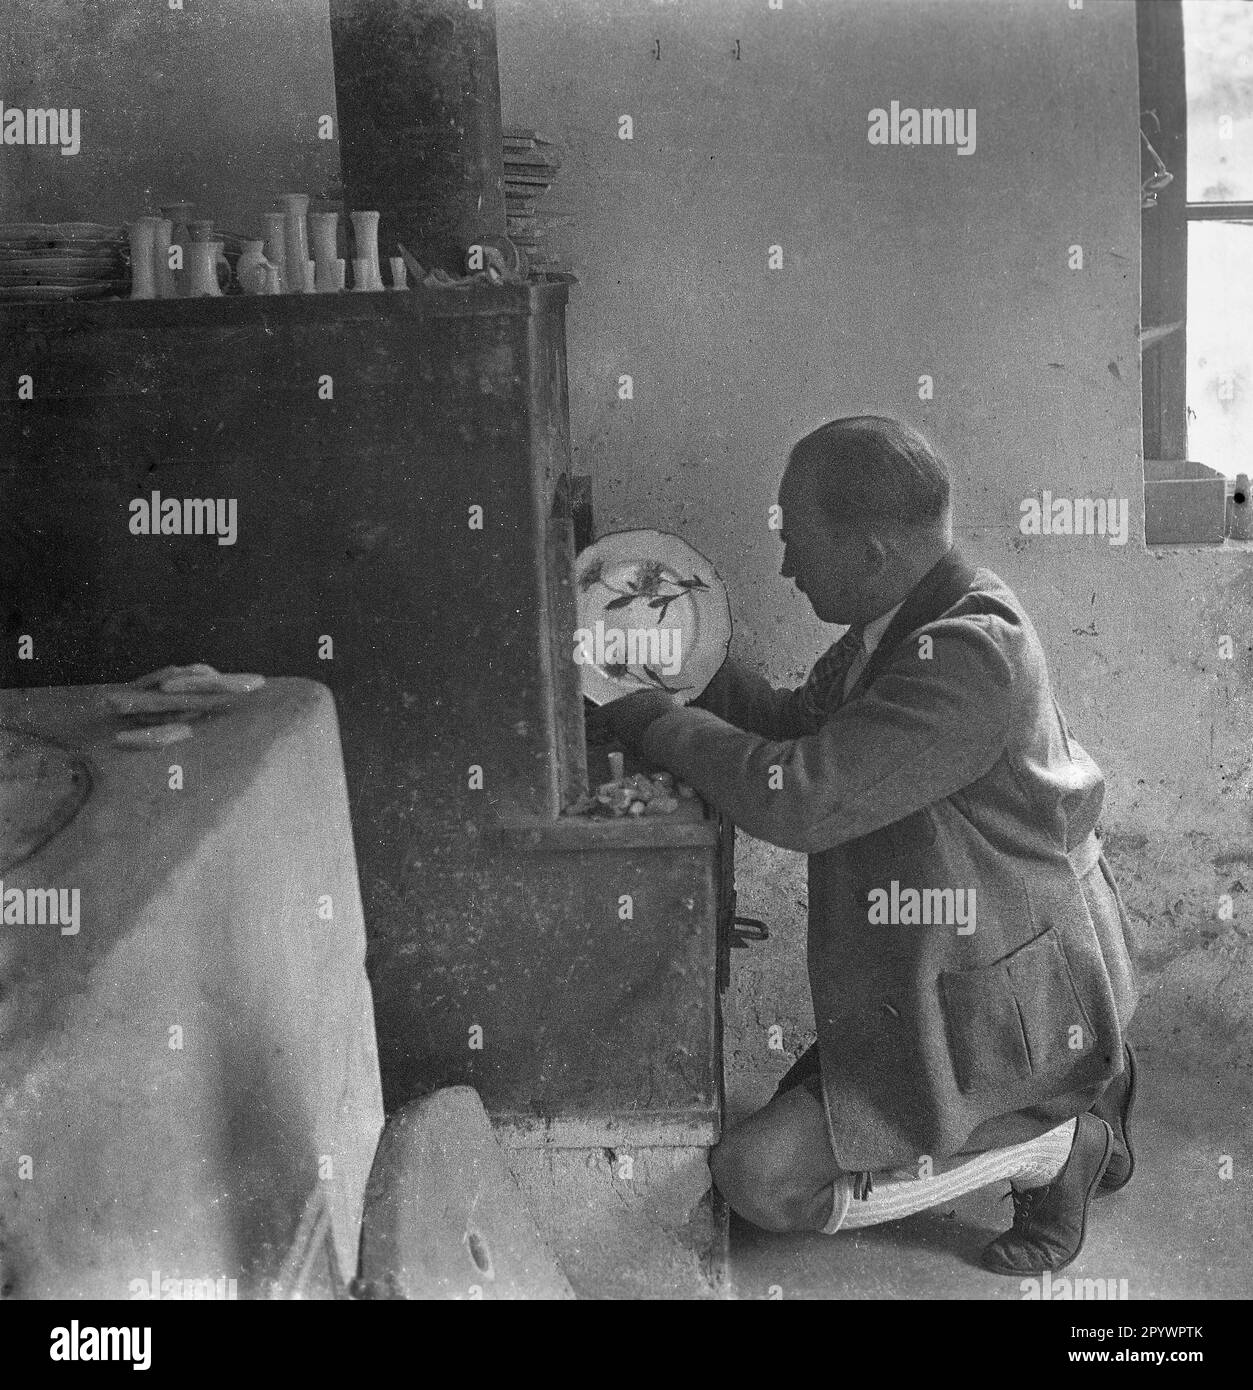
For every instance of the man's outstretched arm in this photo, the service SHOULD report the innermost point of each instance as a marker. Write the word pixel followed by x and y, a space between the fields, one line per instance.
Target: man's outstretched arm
pixel 739 697
pixel 923 730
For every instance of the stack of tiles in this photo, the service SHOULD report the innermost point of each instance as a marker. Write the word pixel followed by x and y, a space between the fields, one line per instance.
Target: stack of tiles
pixel 531 165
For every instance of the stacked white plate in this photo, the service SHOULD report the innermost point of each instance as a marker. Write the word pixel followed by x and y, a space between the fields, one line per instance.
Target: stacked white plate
pixel 62 260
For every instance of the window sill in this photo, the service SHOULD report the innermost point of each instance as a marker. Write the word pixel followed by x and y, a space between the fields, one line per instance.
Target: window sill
pixel 1227 545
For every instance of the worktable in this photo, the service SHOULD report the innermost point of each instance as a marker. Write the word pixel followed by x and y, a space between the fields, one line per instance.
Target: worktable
pixel 189 1084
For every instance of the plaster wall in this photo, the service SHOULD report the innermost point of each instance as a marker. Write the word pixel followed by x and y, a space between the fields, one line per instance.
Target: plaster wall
pixel 898 263
pixel 218 105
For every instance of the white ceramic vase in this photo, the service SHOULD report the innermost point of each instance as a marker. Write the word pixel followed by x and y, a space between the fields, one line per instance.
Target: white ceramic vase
pixel 167 286
pixel 202 269
pixel 179 215
pixel 143 242
pixel 296 208
pixel 330 276
pixel 250 268
pixel 323 232
pixel 365 233
pixel 276 247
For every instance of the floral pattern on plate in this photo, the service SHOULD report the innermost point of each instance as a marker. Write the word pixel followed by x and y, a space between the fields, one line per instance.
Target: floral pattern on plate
pixel 652 612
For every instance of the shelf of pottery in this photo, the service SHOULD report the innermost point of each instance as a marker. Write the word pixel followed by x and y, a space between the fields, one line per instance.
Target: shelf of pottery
pixel 180 256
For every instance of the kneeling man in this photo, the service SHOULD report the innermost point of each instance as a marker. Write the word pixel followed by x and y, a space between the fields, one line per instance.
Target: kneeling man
pixel 967 943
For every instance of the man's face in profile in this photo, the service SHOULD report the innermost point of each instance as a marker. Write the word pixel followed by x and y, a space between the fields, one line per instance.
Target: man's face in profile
pixel 827 563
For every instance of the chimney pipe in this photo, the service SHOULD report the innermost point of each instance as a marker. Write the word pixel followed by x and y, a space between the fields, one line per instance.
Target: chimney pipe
pixel 418 91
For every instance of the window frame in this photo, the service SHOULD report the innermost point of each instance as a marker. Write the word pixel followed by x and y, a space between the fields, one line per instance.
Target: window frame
pixel 1185 502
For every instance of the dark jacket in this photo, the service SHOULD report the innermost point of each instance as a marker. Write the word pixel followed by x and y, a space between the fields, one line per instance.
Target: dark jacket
pixel 949 766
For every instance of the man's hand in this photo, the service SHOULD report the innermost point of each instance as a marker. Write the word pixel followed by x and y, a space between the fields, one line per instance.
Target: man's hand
pixel 628 718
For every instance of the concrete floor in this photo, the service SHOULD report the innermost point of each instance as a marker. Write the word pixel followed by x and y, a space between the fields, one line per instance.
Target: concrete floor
pixel 1178 1230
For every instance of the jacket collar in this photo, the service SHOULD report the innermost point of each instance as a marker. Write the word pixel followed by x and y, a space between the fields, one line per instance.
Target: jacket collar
pixel 935 593
pixel 873 632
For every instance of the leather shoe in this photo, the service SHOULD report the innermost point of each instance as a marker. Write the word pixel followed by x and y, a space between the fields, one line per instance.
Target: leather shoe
pixel 1050 1222
pixel 1114 1107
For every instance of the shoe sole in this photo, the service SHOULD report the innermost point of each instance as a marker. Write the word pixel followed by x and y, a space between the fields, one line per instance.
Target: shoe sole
pixel 1083 1229
pixel 1105 1189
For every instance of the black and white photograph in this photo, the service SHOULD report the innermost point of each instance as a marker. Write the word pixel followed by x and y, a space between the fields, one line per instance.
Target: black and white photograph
pixel 627 663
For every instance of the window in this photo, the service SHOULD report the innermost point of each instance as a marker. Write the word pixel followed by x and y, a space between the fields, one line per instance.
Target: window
pixel 1196 98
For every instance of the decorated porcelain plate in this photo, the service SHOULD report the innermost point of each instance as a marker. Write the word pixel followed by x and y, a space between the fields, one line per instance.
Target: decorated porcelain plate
pixel 652 614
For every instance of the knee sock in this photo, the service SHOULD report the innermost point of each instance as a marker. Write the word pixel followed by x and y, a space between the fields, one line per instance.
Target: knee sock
pixel 900 1193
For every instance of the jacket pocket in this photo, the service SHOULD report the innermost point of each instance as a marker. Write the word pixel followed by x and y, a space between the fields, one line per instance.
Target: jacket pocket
pixel 1015 1018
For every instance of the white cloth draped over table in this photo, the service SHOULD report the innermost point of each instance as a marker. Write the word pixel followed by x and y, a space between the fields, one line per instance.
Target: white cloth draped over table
pixel 190 1084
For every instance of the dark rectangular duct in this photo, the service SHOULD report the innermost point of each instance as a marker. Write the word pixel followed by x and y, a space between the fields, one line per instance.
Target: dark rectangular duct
pixel 418 91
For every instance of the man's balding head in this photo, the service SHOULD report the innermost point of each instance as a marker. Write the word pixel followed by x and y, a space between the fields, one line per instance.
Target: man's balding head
pixel 870 473
pixel 865 515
